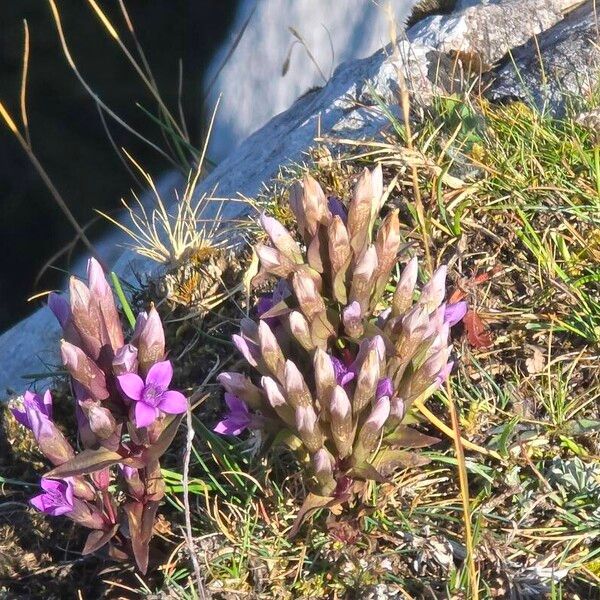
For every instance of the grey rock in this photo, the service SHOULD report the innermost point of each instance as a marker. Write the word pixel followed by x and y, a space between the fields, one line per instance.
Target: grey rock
pixel 489 30
pixel 570 55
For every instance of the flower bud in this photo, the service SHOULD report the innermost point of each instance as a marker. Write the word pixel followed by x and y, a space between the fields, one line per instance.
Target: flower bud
pixel 362 278
pixel 102 293
pixel 270 350
pixel 102 423
pixel 51 441
pixel 387 245
pixel 308 428
pixel 324 378
pixel 101 478
pixel 352 319
pixel 86 318
pixel 84 370
pixel 125 360
pixel 434 291
pixel 372 427
pixel 314 203
pixel 277 400
pixel 301 330
pixel 135 486
pixel 296 203
pixel 323 464
pixel 455 312
pixel 367 380
pixel 151 341
pixel 384 388
pixel 340 255
pixel 295 387
pixel 308 297
pixel 249 350
pixel 239 385
pixel 340 414
pixel 282 239
pixel 272 261
pixel 405 289
pixel 359 213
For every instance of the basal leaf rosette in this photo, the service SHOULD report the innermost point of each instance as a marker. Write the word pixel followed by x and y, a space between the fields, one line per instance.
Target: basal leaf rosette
pixel 336 357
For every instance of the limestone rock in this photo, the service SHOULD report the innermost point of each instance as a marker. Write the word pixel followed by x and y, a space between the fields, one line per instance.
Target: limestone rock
pixel 570 56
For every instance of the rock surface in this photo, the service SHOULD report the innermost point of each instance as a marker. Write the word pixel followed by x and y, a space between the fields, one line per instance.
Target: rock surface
pixel 342 108
pixel 570 55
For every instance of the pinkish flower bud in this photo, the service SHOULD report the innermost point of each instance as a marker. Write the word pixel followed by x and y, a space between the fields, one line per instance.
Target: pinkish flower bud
pixel 323 464
pixel 308 428
pixel 296 202
pixel 102 293
pixel 455 312
pixel 340 414
pixel 151 341
pixel 405 289
pixel 295 387
pixel 300 330
pixel 359 213
pixel 434 291
pixel 340 255
pixel 84 370
pixel 125 360
pixel 367 380
pixel 273 261
pixel 387 246
pixel 362 278
pixel 352 319
pixel 239 385
pixel 282 239
pixel 249 350
pixel 277 400
pixel 324 378
pixel 102 423
pixel 308 296
pixel 135 487
pixel 86 318
pixel 316 211
pixel 372 427
pixel 270 350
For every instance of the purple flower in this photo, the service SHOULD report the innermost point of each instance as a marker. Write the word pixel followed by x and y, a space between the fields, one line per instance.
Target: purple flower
pixel 60 308
pixel 237 419
pixel 384 388
pixel 343 374
pixel 337 208
pixel 454 313
pixel 57 498
pixel 32 403
pixel 153 394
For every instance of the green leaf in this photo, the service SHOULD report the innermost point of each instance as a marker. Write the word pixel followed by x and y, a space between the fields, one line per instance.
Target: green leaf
pixel 580 427
pixel 365 470
pixel 389 459
pixel 87 461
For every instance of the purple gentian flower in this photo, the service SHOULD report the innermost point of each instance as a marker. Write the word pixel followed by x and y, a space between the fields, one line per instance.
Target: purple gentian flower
pixel 337 208
pixel 384 388
pixel 237 419
pixel 343 374
pixel 153 395
pixel 31 403
pixel 454 313
pixel 57 498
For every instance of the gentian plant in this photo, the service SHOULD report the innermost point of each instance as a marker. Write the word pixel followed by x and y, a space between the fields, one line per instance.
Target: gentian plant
pixel 342 349
pixel 126 416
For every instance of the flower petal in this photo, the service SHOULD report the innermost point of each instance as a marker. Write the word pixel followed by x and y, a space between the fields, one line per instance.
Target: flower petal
pixel 144 414
pixel 173 402
pixel 132 385
pixel 160 374
pixel 229 427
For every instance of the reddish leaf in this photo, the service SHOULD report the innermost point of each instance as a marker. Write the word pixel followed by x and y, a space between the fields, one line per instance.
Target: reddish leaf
pixel 97 539
pixel 87 461
pixel 477 333
pixel 311 504
pixel 140 518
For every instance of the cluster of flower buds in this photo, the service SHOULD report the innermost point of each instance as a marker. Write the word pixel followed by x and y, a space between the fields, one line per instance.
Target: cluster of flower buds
pixel 340 352
pixel 126 417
